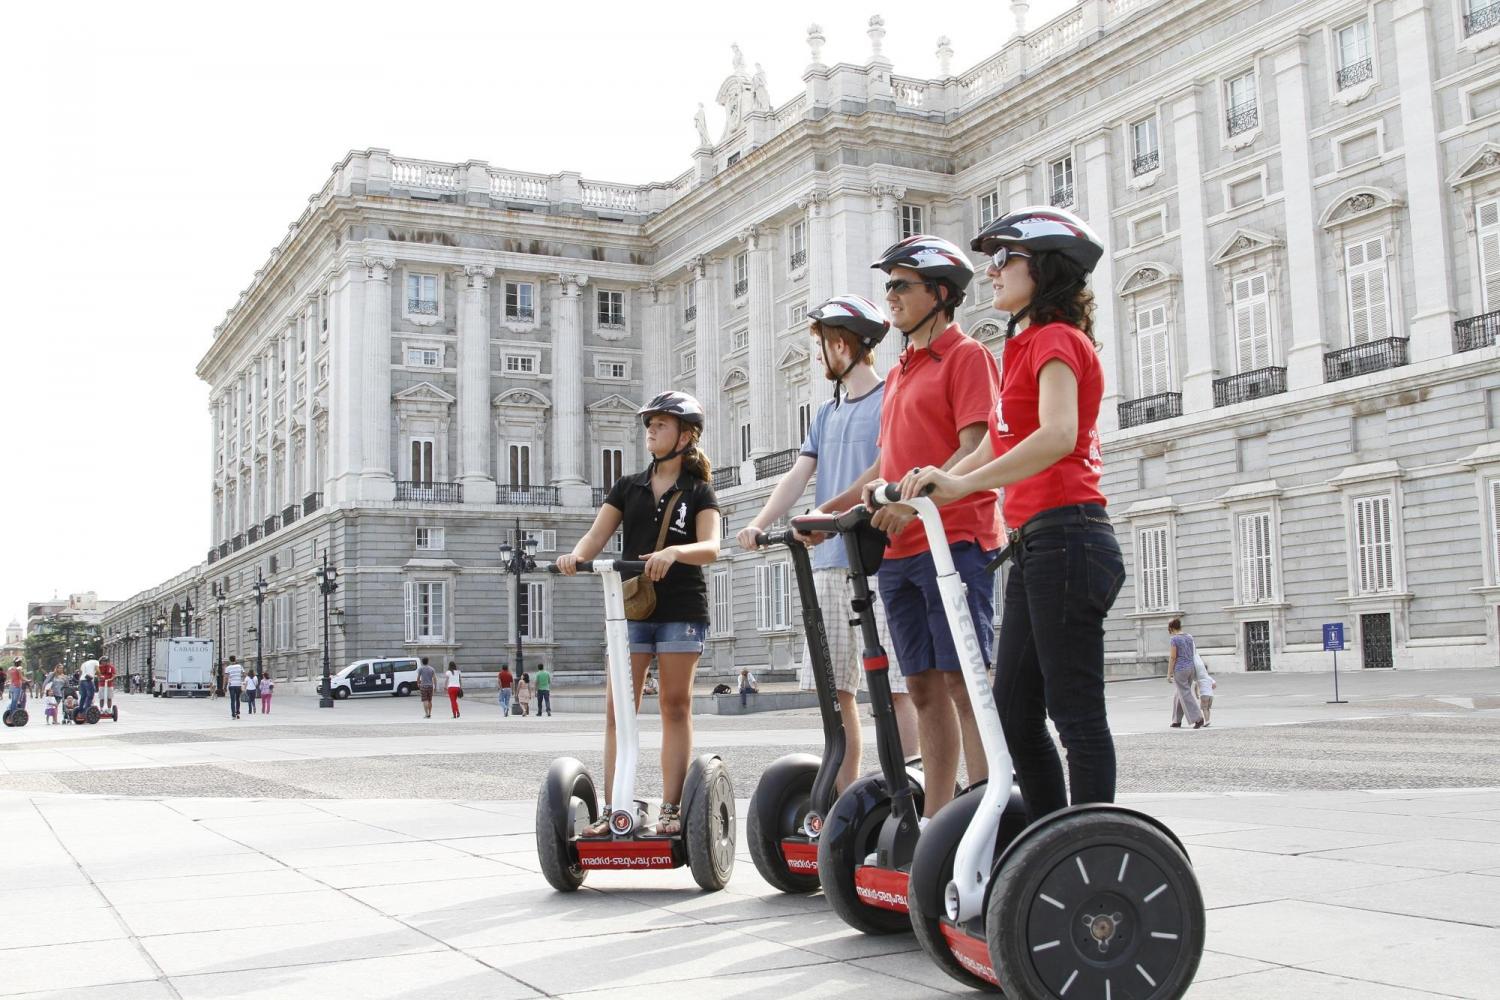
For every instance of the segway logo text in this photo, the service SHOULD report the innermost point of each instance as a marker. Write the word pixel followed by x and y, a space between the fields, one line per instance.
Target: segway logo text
pixel 971 652
pixel 882 898
pixel 626 861
pixel 801 865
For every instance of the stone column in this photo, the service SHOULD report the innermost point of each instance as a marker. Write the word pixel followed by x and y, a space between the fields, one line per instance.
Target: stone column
pixel 346 403
pixel 762 343
pixel 1304 359
pixel 1194 320
pixel 257 396
pixel 567 393
pixel 288 425
pixel 1097 179
pixel 474 444
pixel 1431 328
pixel 216 448
pixel 705 332
pixel 656 349
pixel 884 201
pixel 313 339
pixel 819 266
pixel 377 482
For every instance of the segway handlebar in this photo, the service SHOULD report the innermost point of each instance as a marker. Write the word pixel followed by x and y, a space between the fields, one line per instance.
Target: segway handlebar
pixel 618 565
pixel 891 493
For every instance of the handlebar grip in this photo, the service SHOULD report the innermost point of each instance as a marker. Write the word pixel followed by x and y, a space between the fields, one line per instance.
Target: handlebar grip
pixel 619 565
pixel 766 540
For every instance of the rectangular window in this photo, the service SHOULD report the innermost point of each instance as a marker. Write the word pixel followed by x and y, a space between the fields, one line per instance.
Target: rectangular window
pixel 804 420
pixel 1487 215
pixel 989 208
pixel 611 308
pixel 545 538
pixel 1252 322
pixel 1494 492
pixel 796 315
pixel 721 617
pixel 1352 49
pixel 421 461
pixel 689 361
pixel 690 295
pixel 1372 544
pixel 426 611
pixel 520 364
pixel 1146 153
pixel 1155 576
pixel 744 442
pixel 533 611
pixel 611 466
pixel 912 222
pixel 519 303
pixel 1153 365
pixel 741 274
pixel 739 340
pixel 430 539
pixel 607 369
pixel 1369 305
pixel 424 357
pixel 773 604
pixel 796 245
pixel 1060 179
pixel 422 294
pixel 519 458
pixel 1243 114
pixel 282 633
pixel 1256 566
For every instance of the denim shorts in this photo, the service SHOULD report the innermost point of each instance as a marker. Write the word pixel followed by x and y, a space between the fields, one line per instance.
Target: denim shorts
pixel 914 608
pixel 667 637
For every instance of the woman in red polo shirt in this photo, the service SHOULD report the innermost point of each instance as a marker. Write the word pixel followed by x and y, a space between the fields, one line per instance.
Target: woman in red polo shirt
pixel 1043 448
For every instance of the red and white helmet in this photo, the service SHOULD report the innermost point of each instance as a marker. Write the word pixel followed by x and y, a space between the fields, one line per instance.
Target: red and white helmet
pixel 1043 228
pixel 856 314
pixel 930 256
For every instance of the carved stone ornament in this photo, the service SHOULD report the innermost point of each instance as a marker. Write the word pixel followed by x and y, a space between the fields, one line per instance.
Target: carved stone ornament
pixel 379 268
pixel 1489 161
pixel 1242 244
pixel 478 275
pixel 1362 202
pixel 1148 274
pixel 698 267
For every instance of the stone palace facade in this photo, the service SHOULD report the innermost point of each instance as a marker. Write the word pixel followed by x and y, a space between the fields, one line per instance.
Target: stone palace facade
pixel 1299 311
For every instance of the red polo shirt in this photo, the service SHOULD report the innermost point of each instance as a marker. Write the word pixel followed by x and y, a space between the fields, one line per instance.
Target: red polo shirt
pixel 1074 478
pixel 942 389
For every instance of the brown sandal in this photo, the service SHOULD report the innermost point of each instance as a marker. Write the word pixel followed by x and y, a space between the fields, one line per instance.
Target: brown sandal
pixel 669 820
pixel 599 827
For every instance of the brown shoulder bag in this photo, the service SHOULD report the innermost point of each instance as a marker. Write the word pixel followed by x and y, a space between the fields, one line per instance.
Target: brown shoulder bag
pixel 640 592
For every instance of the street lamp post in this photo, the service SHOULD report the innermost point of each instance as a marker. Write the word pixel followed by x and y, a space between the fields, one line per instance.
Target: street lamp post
pixel 516 560
pixel 220 599
pixel 328 582
pixel 154 627
pixel 187 617
pixel 260 599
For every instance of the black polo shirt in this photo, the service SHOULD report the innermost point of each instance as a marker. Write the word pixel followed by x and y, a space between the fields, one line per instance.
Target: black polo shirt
pixel 682 595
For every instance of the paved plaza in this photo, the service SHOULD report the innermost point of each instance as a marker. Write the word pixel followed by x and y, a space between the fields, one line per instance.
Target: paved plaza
pixel 1345 851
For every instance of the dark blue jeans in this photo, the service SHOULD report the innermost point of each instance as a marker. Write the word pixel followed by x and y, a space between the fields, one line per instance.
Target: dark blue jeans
pixel 1064 578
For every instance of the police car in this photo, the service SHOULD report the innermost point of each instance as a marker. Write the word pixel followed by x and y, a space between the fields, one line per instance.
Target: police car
pixel 377 676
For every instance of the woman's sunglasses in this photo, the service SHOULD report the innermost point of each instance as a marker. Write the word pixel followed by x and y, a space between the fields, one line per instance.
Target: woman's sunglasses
pixel 1000 257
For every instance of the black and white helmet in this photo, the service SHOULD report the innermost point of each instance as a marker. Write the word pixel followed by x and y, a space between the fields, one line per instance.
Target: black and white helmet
pixel 677 404
pixel 932 257
pixel 856 314
pixel 1043 228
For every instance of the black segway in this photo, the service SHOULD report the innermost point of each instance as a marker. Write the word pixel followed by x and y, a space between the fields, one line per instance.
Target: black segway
pixel 18 716
pixel 568 803
pixel 1091 901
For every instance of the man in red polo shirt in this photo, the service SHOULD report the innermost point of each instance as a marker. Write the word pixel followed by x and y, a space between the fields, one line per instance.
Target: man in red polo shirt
pixel 106 684
pixel 938 400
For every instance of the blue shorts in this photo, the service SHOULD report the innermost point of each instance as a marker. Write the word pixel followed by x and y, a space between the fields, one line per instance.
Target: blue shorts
pixel 667 637
pixel 914 608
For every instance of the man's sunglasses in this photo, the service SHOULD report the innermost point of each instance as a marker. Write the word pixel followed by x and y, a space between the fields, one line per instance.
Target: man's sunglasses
pixel 1000 257
pixel 899 285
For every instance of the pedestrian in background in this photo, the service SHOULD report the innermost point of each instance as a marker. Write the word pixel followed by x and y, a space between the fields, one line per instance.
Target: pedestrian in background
pixel 426 681
pixel 523 693
pixel 252 685
pixel 1181 673
pixel 234 677
pixel 748 686
pixel 1206 687
pixel 543 691
pixel 455 680
pixel 505 682
pixel 266 687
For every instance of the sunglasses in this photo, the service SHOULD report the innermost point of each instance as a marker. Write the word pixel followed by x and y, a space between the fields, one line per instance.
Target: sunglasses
pixel 1000 257
pixel 899 285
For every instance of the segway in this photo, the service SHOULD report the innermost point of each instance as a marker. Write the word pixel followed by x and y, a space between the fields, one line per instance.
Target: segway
pixel 1093 900
pixel 877 816
pixel 17 717
pixel 568 804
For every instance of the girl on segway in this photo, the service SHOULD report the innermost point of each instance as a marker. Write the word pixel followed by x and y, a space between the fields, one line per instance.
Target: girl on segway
pixel 670 518
pixel 1043 448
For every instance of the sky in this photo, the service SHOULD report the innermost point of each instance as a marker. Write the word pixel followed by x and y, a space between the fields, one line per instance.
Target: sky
pixel 159 151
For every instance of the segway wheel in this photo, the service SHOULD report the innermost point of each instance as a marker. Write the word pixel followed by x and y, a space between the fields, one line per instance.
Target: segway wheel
pixel 710 828
pixel 777 810
pixel 19 718
pixel 5 719
pixel 114 713
pixel 851 831
pixel 92 715
pixel 1100 902
pixel 567 797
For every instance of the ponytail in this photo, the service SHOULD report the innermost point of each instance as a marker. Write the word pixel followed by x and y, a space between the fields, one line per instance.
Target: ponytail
pixel 696 462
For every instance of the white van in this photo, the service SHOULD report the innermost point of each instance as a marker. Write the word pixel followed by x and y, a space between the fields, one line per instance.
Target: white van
pixel 377 676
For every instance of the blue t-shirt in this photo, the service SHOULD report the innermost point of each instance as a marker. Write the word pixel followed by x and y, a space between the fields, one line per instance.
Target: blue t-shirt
pixel 842 438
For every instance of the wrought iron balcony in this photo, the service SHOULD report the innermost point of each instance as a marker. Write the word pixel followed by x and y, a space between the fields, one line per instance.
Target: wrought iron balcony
pixel 611 322
pixel 213 555
pixel 775 464
pixel 422 307
pixel 1357 72
pixel 725 477
pixel 415 492
pixel 1145 163
pixel 252 535
pixel 799 257
pixel 689 314
pixel 1149 409
pixel 237 542
pixel 1062 196
pixel 741 287
pixel 600 492
pixel 1482 19
pixel 289 513
pixel 1249 385
pixel 1361 359
pixel 520 313
pixel 1476 332
pixel 527 496
pixel 224 550
pixel 1243 117
pixel 269 525
pixel 311 502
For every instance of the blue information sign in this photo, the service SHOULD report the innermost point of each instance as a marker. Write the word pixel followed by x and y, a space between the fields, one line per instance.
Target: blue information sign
pixel 1333 636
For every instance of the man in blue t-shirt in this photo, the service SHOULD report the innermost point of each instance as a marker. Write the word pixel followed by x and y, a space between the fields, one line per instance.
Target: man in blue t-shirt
pixel 840 446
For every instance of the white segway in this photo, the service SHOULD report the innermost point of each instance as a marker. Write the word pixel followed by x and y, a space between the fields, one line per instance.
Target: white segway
pixel 1091 901
pixel 568 804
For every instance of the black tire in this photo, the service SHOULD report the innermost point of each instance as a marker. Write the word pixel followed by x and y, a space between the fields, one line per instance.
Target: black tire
pixel 710 828
pixel 91 716
pixel 20 717
pixel 566 787
pixel 341 693
pixel 776 811
pixel 5 719
pixel 1110 865
pixel 156 694
pixel 404 691
pixel 114 713
pixel 850 832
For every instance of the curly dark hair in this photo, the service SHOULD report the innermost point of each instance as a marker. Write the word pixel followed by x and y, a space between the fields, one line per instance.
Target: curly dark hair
pixel 1062 293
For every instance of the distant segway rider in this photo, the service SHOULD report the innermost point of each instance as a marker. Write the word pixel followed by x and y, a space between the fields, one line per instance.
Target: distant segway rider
pixel 106 684
pixel 86 690
pixel 937 400
pixel 671 500
pixel 1043 448
pixel 17 683
pixel 840 446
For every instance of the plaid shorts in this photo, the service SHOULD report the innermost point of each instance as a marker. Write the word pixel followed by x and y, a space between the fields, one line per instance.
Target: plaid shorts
pixel 845 642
